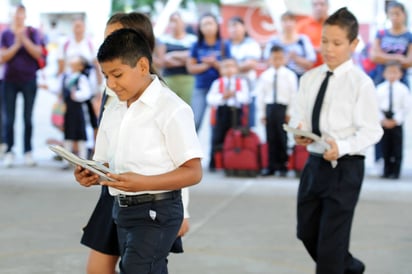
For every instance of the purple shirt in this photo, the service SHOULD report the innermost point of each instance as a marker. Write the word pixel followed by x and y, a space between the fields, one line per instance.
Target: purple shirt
pixel 22 67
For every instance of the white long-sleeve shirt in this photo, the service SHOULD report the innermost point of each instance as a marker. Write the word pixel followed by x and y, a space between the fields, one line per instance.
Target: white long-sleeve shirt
pixel 350 113
pixel 215 94
pixel 401 100
pixel 287 87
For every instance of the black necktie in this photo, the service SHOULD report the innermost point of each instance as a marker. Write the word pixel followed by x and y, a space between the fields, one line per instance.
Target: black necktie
pixel 318 104
pixel 390 98
pixel 275 87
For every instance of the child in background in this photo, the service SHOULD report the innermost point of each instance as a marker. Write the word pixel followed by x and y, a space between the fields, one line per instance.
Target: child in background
pixel 338 102
pixel 75 89
pixel 276 88
pixel 394 102
pixel 227 95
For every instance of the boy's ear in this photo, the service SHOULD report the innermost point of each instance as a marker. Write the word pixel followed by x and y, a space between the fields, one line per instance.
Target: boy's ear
pixel 143 65
pixel 354 44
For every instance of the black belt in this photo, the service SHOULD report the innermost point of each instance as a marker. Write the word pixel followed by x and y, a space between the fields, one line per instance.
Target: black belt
pixel 131 200
pixel 343 158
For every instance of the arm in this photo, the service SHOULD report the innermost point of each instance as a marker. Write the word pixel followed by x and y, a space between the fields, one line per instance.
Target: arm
pixel 214 97
pixel 32 48
pixel 380 57
pixel 189 173
pixel 196 68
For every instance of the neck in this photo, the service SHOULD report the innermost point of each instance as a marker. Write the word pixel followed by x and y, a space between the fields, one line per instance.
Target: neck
pixel 211 40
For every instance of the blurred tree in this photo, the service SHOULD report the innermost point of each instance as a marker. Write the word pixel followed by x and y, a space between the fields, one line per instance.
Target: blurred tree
pixel 127 5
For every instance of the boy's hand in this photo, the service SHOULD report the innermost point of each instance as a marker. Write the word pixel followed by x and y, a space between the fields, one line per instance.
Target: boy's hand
pixel 85 177
pixel 388 123
pixel 302 141
pixel 128 181
pixel 331 154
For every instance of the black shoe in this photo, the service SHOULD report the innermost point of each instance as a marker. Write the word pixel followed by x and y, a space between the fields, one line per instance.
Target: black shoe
pixel 357 267
pixel 267 172
pixel 283 173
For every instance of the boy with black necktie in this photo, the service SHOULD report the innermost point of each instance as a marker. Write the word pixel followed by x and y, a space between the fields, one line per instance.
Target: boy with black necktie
pixel 275 89
pixel 394 103
pixel 347 118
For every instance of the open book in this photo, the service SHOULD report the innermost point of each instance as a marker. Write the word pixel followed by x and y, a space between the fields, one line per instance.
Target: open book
pixel 93 166
pixel 310 135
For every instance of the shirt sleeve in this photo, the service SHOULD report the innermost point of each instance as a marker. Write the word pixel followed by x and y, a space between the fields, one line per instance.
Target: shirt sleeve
pixel 214 97
pixel 366 122
pixel 181 129
pixel 83 92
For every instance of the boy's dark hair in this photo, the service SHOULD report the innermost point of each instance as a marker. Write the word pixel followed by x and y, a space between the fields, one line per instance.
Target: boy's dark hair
pixel 344 19
pixel 276 48
pixel 393 63
pixel 136 21
pixel 125 44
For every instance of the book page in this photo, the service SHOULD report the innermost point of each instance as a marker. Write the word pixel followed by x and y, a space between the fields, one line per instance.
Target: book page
pixel 93 166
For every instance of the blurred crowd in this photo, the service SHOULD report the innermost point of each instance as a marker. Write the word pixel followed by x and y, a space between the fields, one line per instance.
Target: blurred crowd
pixel 232 76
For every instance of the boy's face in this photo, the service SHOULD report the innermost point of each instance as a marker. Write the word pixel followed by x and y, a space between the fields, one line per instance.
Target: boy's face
pixel 392 73
pixel 277 59
pixel 336 47
pixel 228 68
pixel 127 82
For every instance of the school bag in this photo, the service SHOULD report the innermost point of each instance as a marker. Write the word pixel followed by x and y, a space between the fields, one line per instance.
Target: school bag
pixel 42 61
pixel 241 147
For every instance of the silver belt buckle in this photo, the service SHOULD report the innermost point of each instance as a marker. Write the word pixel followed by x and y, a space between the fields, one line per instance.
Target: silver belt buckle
pixel 119 201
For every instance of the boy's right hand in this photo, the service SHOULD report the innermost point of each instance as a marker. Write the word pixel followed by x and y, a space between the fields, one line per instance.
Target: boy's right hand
pixel 85 177
pixel 302 141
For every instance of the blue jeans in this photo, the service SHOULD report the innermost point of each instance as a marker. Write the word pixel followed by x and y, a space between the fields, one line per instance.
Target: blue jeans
pixel 2 116
pixel 29 90
pixel 199 105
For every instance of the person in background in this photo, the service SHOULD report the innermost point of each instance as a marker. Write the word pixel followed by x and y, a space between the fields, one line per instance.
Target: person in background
pixel 81 45
pixel 312 26
pixel 74 87
pixel 3 143
pixel 394 103
pixel 228 94
pixel 20 50
pixel 300 54
pixel 203 62
pixel 172 51
pixel 247 52
pixel 393 44
pixel 276 88
pixel 338 102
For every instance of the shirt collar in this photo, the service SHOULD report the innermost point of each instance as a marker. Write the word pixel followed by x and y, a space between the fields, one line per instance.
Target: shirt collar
pixel 342 68
pixel 152 92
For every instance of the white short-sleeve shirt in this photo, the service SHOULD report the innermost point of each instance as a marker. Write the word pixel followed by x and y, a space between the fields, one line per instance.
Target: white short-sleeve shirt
pixel 154 135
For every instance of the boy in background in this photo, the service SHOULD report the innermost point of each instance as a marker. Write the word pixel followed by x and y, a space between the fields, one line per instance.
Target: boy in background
pixel 276 88
pixel 338 102
pixel 227 95
pixel 394 102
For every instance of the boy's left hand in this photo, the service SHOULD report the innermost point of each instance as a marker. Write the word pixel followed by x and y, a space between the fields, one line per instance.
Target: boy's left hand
pixel 128 181
pixel 331 154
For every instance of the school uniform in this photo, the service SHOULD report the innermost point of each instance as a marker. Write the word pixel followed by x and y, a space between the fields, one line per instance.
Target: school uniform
pixel 394 103
pixel 154 135
pixel 275 91
pixel 228 111
pixel 328 195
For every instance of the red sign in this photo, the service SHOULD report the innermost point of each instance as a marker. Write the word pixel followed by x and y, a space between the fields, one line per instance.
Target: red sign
pixel 259 23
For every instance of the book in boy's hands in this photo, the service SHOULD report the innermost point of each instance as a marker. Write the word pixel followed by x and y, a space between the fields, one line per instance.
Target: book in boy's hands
pixel 307 134
pixel 93 166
